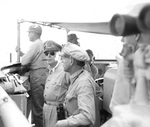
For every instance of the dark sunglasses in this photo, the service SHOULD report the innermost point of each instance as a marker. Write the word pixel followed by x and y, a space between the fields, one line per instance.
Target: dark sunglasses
pixel 51 53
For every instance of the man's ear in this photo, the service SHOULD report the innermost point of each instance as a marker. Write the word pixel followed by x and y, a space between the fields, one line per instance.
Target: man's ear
pixel 137 37
pixel 72 61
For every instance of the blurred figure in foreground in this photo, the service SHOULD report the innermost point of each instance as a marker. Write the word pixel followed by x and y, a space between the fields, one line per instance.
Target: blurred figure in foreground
pixel 133 83
pixel 122 88
pixel 10 114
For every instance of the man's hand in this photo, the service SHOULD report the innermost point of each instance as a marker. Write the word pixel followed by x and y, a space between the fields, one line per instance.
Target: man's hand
pixel 61 123
pixel 17 49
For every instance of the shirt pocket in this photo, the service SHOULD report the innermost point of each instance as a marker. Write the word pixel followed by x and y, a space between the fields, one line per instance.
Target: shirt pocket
pixel 56 88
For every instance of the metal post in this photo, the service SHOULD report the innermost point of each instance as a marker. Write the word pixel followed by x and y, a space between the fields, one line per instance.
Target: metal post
pixel 18 41
pixel 10 57
pixel 67 31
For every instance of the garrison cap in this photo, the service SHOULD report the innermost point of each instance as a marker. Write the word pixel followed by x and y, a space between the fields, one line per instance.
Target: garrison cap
pixel 51 46
pixel 75 52
pixel 35 28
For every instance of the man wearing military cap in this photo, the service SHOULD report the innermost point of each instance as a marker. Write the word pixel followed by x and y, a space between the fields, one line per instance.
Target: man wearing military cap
pixel 56 85
pixel 35 28
pixel 34 60
pixel 79 101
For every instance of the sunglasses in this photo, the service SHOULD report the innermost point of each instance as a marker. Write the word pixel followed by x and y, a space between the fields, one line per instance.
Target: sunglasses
pixel 51 53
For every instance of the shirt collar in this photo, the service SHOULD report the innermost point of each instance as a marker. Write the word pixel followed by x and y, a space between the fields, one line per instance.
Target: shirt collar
pixel 54 68
pixel 74 75
pixel 37 40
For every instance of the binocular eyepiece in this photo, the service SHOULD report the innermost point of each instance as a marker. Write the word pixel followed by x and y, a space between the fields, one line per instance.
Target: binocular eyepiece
pixel 123 25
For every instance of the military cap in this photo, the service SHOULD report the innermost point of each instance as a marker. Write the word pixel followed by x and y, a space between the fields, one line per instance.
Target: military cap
pixel 35 28
pixel 51 46
pixel 75 52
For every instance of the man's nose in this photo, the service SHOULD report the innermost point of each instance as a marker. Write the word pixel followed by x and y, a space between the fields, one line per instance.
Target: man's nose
pixel 49 55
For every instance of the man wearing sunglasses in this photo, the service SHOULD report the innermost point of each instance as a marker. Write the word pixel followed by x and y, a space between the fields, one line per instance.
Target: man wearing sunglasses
pixel 56 85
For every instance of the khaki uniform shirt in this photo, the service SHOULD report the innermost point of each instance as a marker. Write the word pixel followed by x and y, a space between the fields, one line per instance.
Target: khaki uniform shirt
pixel 56 84
pixel 35 56
pixel 55 90
pixel 79 101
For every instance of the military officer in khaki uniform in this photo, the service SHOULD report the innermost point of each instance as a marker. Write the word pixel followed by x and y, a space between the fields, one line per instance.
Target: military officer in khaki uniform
pixel 34 59
pixel 79 101
pixel 56 85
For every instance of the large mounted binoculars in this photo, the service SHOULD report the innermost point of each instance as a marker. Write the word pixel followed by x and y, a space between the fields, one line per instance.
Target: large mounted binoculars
pixel 123 25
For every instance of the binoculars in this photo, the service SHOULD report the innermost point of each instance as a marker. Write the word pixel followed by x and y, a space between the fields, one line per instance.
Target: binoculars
pixel 124 25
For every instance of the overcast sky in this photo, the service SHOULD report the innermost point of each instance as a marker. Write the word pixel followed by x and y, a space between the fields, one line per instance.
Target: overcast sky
pixel 54 11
